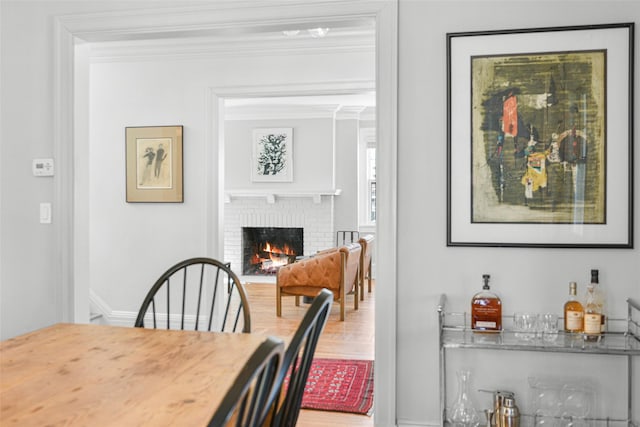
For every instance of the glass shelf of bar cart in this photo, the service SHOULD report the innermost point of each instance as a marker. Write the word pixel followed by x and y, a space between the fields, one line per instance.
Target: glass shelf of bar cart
pixel 622 337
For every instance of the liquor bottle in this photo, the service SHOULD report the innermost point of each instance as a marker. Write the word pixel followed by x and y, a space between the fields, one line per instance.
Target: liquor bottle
pixel 600 300
pixel 593 316
pixel 573 311
pixel 486 309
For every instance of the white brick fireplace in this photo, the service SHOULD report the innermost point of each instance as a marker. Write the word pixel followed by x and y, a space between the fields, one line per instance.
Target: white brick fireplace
pixel 314 213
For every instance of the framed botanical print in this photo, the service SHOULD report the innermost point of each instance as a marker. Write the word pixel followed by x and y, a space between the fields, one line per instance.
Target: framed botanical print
pixel 272 159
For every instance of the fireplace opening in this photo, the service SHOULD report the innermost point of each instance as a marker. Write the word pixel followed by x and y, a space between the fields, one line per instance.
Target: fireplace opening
pixel 265 249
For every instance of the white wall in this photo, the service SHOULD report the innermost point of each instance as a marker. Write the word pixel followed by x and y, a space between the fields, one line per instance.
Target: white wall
pixel 346 205
pixel 527 279
pixel 171 91
pixel 534 279
pixel 29 296
pixel 313 151
pixel 28 299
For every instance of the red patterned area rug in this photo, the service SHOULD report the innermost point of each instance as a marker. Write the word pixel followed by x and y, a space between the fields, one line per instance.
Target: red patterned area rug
pixel 340 385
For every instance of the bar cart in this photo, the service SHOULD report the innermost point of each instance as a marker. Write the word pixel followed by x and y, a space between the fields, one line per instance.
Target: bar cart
pixel 455 333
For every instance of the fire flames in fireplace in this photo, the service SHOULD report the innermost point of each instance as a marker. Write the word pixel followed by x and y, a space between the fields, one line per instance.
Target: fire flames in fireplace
pixel 270 257
pixel 266 249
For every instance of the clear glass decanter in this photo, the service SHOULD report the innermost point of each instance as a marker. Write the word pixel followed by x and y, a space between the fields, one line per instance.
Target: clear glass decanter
pixel 463 413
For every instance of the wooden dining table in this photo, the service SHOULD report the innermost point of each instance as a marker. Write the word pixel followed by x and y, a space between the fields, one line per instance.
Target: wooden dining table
pixel 81 375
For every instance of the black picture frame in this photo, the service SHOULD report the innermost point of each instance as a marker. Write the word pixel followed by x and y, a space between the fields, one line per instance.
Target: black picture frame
pixel 540 137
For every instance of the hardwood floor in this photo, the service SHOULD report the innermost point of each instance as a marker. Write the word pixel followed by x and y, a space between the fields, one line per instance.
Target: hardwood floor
pixel 351 339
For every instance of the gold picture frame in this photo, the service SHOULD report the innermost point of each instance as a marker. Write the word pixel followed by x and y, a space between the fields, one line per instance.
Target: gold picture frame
pixel 154 164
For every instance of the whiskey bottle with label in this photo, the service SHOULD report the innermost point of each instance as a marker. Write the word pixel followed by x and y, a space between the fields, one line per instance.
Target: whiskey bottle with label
pixel 486 309
pixel 573 311
pixel 593 315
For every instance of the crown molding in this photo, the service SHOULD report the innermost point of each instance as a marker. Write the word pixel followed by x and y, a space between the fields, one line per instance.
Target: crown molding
pixel 350 112
pixel 296 111
pixel 350 41
pixel 369 114
pixel 334 87
pixel 273 112
pixel 219 18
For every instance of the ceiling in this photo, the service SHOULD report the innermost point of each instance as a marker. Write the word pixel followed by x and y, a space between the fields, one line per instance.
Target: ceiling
pixel 356 34
pixel 255 39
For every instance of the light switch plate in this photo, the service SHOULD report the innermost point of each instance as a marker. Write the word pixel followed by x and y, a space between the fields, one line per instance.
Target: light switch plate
pixel 45 213
pixel 42 167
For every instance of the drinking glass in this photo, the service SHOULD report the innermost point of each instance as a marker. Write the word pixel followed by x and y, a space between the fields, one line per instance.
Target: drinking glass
pixel 545 421
pixel 546 401
pixel 574 422
pixel 525 325
pixel 576 400
pixel 548 326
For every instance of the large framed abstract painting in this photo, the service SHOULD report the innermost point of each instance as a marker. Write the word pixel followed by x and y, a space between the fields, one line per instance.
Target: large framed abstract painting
pixel 154 164
pixel 272 159
pixel 539 142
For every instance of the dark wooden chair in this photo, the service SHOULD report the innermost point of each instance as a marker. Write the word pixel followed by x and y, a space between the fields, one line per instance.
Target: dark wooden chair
pixel 298 359
pixel 366 257
pixel 248 401
pixel 347 236
pixel 198 294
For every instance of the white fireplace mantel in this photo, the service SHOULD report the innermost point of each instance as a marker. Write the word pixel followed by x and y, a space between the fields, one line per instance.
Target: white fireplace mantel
pixel 270 195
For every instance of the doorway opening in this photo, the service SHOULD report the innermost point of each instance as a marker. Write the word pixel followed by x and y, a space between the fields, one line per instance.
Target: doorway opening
pixel 73 232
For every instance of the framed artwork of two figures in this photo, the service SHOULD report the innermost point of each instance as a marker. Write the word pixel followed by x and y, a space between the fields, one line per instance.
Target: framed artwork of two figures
pixel 154 164
pixel 540 129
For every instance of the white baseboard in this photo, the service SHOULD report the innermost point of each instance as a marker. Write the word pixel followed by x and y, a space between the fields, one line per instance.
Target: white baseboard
pixel 109 316
pixel 411 423
pixel 128 318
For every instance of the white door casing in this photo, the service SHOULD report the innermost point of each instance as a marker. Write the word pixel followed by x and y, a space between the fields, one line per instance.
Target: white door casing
pixel 71 199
